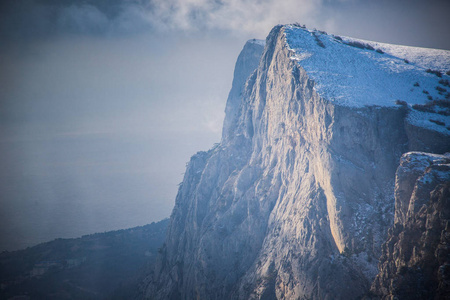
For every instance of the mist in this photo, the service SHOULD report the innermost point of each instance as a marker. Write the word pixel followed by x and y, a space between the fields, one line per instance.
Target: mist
pixel 96 132
pixel 103 103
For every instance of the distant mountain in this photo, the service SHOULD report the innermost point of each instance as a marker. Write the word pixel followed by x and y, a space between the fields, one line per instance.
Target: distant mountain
pixel 297 199
pixel 107 265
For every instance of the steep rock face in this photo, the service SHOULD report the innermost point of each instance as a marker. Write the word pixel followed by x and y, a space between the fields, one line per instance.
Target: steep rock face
pixel 296 200
pixel 246 63
pixel 208 247
pixel 416 257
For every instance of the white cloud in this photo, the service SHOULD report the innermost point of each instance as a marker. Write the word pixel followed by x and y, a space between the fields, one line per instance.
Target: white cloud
pixel 423 24
pixel 241 16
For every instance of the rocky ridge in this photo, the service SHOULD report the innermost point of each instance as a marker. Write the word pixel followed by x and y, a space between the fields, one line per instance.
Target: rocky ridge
pixel 108 265
pixel 415 263
pixel 296 200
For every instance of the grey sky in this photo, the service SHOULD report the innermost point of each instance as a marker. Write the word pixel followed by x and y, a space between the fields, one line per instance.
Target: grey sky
pixel 103 103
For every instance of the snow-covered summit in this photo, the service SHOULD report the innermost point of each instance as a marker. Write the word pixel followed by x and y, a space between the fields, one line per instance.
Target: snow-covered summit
pixel 357 72
pixel 360 73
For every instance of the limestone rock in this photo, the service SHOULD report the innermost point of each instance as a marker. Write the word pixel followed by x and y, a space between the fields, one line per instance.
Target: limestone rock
pixel 296 200
pixel 416 256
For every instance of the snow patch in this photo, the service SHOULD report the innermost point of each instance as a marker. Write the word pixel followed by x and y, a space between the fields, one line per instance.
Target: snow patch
pixel 428 120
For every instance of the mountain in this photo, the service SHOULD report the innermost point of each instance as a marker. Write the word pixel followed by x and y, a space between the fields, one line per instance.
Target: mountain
pixel 296 200
pixel 107 265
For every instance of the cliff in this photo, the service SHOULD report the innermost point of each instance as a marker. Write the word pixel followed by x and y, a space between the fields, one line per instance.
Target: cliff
pixel 296 200
pixel 416 256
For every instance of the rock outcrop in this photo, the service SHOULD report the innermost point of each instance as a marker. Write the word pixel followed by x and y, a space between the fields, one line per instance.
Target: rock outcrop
pixel 415 263
pixel 296 200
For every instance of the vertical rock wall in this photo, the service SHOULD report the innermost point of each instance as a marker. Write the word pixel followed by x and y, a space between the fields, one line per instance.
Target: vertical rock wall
pixel 296 200
pixel 332 169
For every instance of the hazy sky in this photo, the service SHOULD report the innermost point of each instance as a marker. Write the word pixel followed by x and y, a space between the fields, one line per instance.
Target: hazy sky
pixel 103 103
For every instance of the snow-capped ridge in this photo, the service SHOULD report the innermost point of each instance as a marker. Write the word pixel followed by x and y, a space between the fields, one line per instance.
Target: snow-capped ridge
pixel 436 59
pixel 357 73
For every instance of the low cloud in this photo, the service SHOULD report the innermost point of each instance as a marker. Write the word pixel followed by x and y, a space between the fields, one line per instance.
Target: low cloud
pixel 25 18
pixel 420 24
pixel 249 17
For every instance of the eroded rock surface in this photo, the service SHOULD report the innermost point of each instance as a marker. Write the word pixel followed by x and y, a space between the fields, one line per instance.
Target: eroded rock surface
pixel 416 257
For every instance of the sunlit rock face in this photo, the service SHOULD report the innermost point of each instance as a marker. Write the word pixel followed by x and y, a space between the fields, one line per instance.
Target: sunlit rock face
pixel 416 257
pixel 296 200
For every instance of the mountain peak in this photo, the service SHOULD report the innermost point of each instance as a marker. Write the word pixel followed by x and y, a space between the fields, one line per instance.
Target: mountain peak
pixel 296 200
